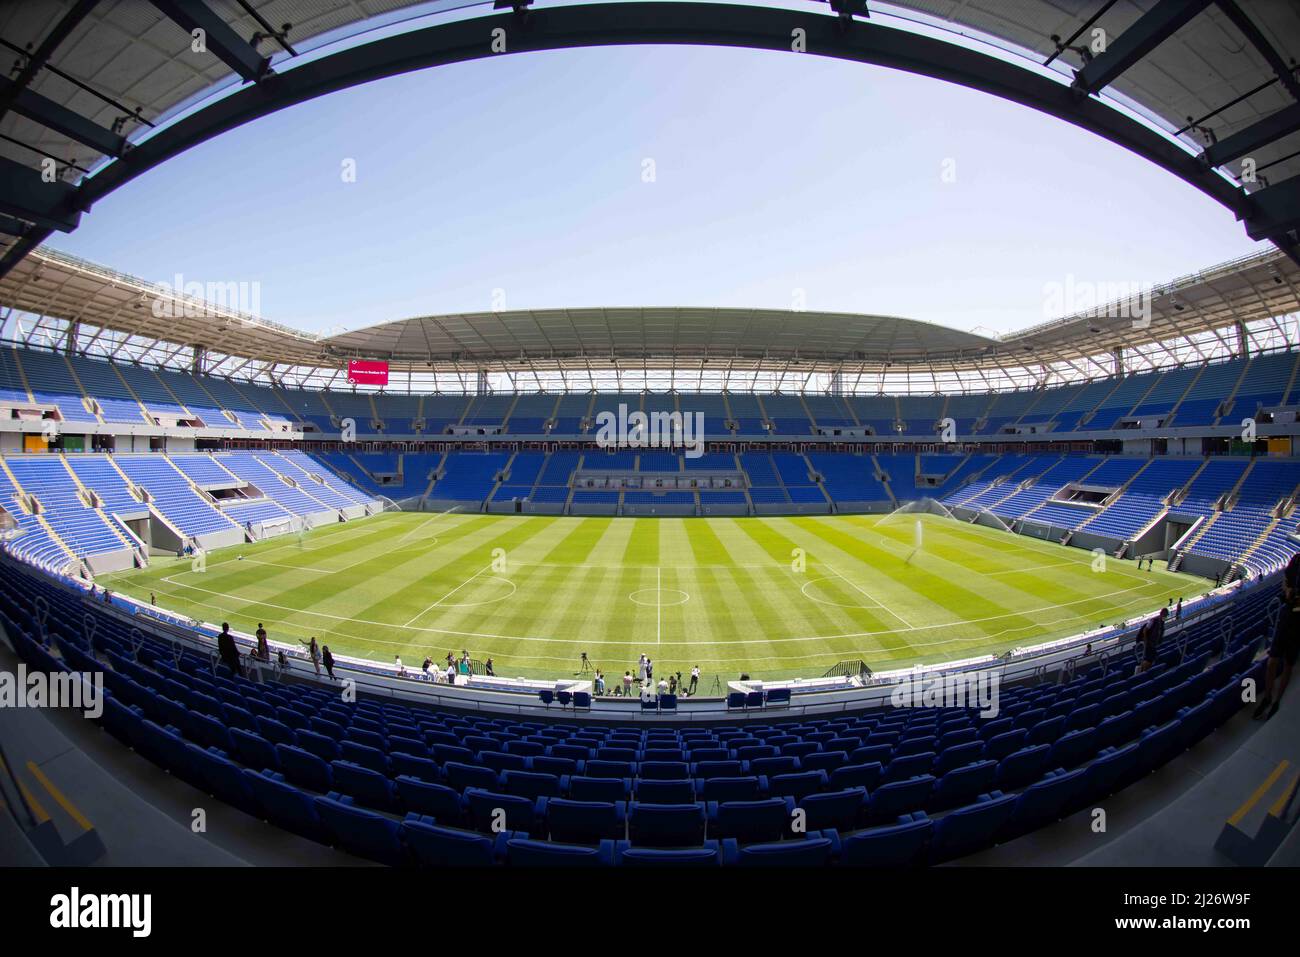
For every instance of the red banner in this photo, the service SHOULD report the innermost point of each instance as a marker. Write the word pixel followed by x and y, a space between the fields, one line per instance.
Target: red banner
pixel 367 372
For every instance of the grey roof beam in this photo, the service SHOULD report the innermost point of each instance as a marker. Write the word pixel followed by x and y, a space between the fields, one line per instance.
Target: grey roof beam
pixel 1244 142
pixel 1150 30
pixel 25 194
pixel 1257 39
pixel 42 110
pixel 42 54
pixel 219 36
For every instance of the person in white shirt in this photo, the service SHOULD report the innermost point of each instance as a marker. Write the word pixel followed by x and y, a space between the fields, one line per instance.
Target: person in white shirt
pixel 663 685
pixel 451 674
pixel 695 678
pixel 640 669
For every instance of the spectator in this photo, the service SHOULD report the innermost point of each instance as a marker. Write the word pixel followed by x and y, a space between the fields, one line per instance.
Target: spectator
pixel 263 648
pixel 1178 612
pixel 663 686
pixel 695 679
pixel 1283 650
pixel 599 684
pixel 1155 631
pixel 152 600
pixel 627 683
pixel 228 650
pixel 328 660
pixel 649 670
pixel 488 669
pixel 313 651
pixel 642 666
pixel 672 684
pixel 401 669
pixel 425 667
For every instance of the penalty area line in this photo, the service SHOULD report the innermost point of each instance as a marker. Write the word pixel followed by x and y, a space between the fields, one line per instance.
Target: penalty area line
pixel 863 591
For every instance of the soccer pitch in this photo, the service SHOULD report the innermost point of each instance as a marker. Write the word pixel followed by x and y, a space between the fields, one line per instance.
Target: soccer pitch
pixel 774 597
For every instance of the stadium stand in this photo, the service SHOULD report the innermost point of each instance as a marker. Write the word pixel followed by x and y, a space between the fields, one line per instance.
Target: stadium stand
pixel 404 784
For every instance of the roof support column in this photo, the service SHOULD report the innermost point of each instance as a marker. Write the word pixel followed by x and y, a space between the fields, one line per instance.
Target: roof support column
pixel 198 356
pixel 481 386
pixel 70 340
pixel 1119 360
pixel 1243 340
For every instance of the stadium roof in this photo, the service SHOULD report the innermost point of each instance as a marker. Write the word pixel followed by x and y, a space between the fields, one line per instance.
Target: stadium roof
pixel 1213 302
pixel 118 85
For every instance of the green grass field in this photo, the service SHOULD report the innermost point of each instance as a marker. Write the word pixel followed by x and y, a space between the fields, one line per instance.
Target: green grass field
pixel 727 594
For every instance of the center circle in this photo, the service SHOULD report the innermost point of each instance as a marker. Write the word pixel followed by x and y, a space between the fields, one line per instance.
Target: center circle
pixel 479 588
pixel 823 600
pixel 659 597
pixel 419 543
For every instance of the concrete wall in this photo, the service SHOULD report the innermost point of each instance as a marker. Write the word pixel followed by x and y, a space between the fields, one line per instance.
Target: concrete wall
pixel 724 509
pixel 117 561
pixel 792 508
pixel 594 508
pixel 666 509
pixel 223 539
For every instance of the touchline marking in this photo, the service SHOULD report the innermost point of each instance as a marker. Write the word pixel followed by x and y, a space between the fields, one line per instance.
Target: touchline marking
pixel 448 595
pixel 859 588
pixel 659 610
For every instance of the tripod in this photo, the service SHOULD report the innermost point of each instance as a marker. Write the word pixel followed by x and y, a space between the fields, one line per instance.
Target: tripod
pixel 586 664
pixel 716 687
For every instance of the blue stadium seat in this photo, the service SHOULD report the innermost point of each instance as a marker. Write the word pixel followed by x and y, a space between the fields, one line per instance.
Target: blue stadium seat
pixel 585 822
pixel 361 832
pixel 666 825
pixel 708 855
pixel 815 850
pixel 896 845
pixel 425 798
pixel 750 821
pixel 285 805
pixel 972 827
pixel 522 852
pixel 433 845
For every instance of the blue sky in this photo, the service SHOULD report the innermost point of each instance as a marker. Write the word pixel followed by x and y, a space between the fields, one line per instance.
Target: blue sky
pixel 773 173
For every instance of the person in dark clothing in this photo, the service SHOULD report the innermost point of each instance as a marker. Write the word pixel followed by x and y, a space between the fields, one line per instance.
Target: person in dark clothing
pixel 1285 647
pixel 328 661
pixel 1155 631
pixel 228 651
